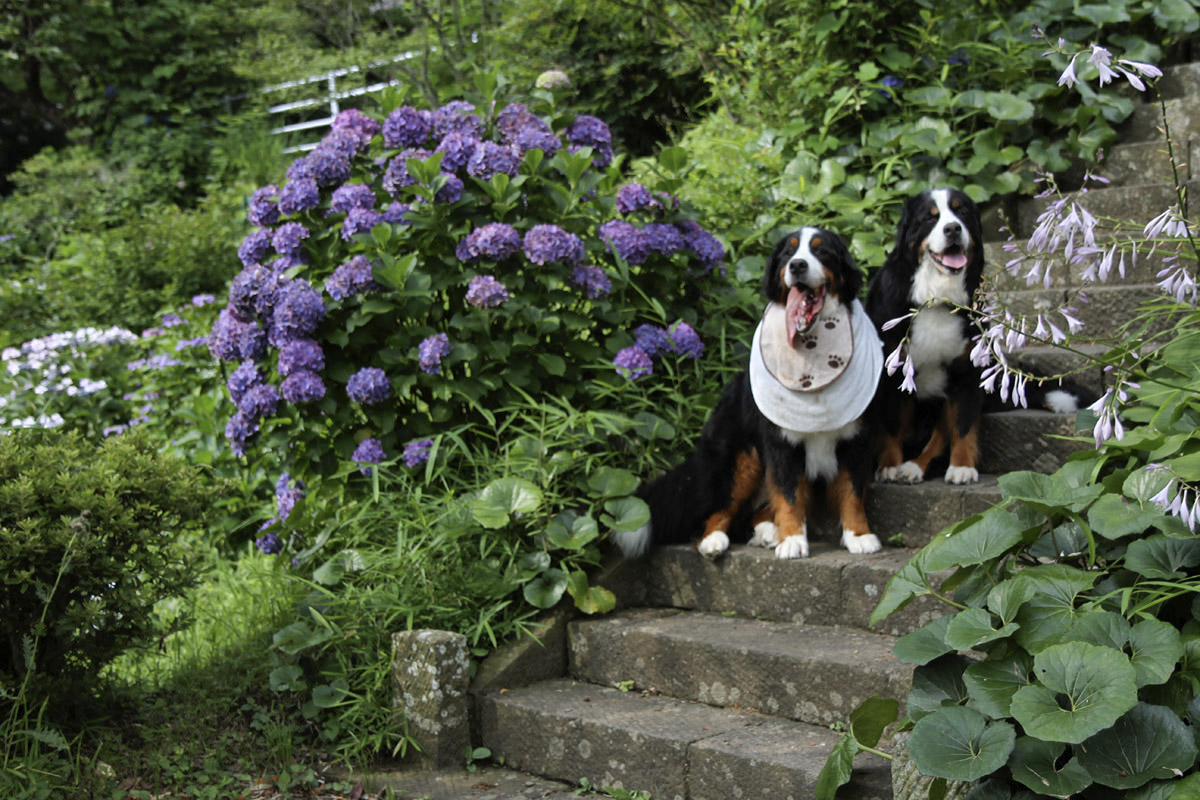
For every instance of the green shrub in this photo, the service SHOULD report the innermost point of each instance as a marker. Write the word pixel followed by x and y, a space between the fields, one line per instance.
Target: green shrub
pixel 91 538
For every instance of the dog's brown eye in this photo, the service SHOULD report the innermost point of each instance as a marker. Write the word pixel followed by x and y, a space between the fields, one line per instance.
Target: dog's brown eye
pixel 793 242
pixel 816 242
pixel 933 211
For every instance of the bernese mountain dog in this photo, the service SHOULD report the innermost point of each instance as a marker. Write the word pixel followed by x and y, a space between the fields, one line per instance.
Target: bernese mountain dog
pixel 935 269
pixel 789 425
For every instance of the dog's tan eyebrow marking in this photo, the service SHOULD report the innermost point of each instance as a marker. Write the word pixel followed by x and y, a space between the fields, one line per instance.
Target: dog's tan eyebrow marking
pixel 816 242
pixel 793 242
pixel 933 211
pixel 955 203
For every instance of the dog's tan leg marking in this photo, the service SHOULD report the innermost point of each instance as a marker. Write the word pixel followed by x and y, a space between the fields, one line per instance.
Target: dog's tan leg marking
pixel 790 518
pixel 964 450
pixel 747 475
pixel 856 531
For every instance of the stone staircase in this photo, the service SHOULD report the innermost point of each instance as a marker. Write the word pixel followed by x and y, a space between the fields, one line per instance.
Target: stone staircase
pixel 721 679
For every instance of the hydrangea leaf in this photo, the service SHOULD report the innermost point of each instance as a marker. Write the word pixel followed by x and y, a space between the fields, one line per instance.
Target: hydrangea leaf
pixel 503 498
pixel 1035 764
pixel 547 589
pixel 1162 556
pixel 992 684
pixel 1146 743
pixel 937 685
pixel 1082 689
pixel 992 534
pixel 973 627
pixel 960 744
pixel 1156 649
pixel 924 644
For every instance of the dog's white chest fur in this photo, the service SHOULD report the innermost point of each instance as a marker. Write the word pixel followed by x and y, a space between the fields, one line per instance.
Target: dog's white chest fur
pixel 820 448
pixel 935 337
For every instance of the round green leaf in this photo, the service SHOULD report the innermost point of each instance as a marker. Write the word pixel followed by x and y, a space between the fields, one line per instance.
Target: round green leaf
pixel 504 497
pixel 1162 556
pixel 937 685
pixel 626 514
pixel 960 744
pixel 1033 763
pixel 546 589
pixel 871 716
pixel 973 627
pixel 992 684
pixel 1007 597
pixel 1082 689
pixel 611 482
pixel 1147 743
pixel 924 644
pixel 989 537
pixel 1113 516
pixel 1049 613
pixel 328 695
pixel 1156 648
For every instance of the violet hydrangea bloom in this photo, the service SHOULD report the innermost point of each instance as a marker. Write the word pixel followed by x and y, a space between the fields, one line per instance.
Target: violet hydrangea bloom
pixel 484 291
pixel 491 159
pixel 456 116
pixel 685 341
pixel 625 240
pixel 369 451
pixel 395 212
pixel 513 118
pixel 592 280
pixel 300 355
pixel 456 148
pixel 351 278
pixel 417 452
pixel 535 139
pixel 634 197
pixel 298 169
pixel 369 386
pixel 357 123
pixel 252 290
pixel 224 341
pixel 251 342
pixel 238 431
pixel 302 386
pixel 548 243
pixel 451 191
pixel 494 241
pixel 396 177
pixel 299 195
pixel 633 363
pixel 255 246
pixel 288 237
pixel 662 238
pixel 242 380
pixel 269 544
pixel 407 127
pixel 589 131
pixel 263 208
pixel 359 220
pixel 259 401
pixel 431 352
pixel 706 247
pixel 651 340
pixel 330 163
pixel 351 196
pixel 298 310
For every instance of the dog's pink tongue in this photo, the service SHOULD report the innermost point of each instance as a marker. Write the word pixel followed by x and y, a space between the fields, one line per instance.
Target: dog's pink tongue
pixel 955 260
pixel 796 309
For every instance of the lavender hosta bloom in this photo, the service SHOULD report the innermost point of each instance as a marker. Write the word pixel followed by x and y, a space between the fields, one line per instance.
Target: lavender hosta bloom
pixel 457 148
pixel 288 238
pixel 242 380
pixel 633 363
pixel 358 124
pixel 662 238
pixel 351 196
pixel 369 451
pixel 548 243
pixel 360 220
pixel 494 241
pixel 431 351
pixel 407 127
pixel 491 159
pixel 625 240
pixel 417 452
pixel 300 355
pixel 451 190
pixel 302 386
pixel 635 197
pixel 456 116
pixel 396 177
pixel 651 340
pixel 263 208
pixel 299 309
pixel 350 279
pixel 685 341
pixel 260 401
pixel 484 291
pixel 592 280
pixel 1177 281
pixel 369 386
pixel 255 246
pixel 238 431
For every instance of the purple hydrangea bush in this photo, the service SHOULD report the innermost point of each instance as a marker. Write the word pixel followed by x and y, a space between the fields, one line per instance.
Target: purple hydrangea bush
pixel 422 268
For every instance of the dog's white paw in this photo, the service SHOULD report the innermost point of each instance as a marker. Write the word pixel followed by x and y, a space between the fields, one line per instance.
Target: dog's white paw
pixel 887 474
pixel 909 472
pixel 962 475
pixel 864 543
pixel 714 544
pixel 765 535
pixel 793 547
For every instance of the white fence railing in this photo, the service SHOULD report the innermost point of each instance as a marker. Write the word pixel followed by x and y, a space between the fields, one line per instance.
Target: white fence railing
pixel 331 97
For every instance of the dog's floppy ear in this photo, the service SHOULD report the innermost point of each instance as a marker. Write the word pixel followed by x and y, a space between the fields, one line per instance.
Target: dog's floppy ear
pixel 850 277
pixel 784 248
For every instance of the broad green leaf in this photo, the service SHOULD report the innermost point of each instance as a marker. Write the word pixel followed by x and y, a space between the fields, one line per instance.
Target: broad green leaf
pixel 1063 541
pixel 924 644
pixel 902 588
pixel 993 534
pixel 554 365
pixel 1162 556
pixel 1049 493
pixel 1143 484
pixel 937 684
pixel 1113 516
pixel 571 532
pixel 991 684
pixel 1186 789
pixel 298 636
pixel 673 159
pixel 960 744
pixel 1008 107
pixel 626 514
pixel 838 768
pixel 589 599
pixel 973 627
pixel 652 426
pixel 1156 648
pixel 286 678
pixel 547 589
pixel 505 497
pixel 1157 790
pixel 1007 597
pixel 1147 743
pixel 328 695
pixel 871 716
pixel 1082 689
pixel 1034 763
pixel 612 482
pixel 333 570
pixel 1050 612
pixel 1101 15
pixel 1102 628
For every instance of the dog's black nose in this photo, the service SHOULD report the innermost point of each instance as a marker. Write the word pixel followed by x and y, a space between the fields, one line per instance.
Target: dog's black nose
pixel 798 267
pixel 952 230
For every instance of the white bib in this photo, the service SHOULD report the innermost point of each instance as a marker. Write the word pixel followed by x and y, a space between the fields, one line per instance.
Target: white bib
pixel 826 380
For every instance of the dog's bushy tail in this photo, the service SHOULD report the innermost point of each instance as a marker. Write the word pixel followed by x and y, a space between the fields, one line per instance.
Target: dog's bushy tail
pixel 1062 396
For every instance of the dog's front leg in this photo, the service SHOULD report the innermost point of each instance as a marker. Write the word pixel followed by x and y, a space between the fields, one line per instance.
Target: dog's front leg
pixel 790 514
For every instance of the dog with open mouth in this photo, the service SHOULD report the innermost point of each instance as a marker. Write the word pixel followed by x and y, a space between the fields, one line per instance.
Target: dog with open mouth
pixel 789 425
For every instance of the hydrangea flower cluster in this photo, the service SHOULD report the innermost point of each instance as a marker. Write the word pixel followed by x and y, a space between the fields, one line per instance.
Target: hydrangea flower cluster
pixel 369 451
pixel 651 342
pixel 369 386
pixel 485 291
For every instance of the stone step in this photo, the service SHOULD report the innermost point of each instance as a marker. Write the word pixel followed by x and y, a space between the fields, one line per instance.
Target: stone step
pixel 1181 80
pixel 807 673
pixel 1145 124
pixel 830 587
pixel 671 748
pixel 1103 310
pixel 1080 362
pixel 486 782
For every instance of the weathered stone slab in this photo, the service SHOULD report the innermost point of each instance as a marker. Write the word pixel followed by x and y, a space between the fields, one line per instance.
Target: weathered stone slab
pixel 1138 203
pixel 863 586
pixel 430 673
pixel 1026 440
pixel 1145 124
pixel 910 514
pixel 809 673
